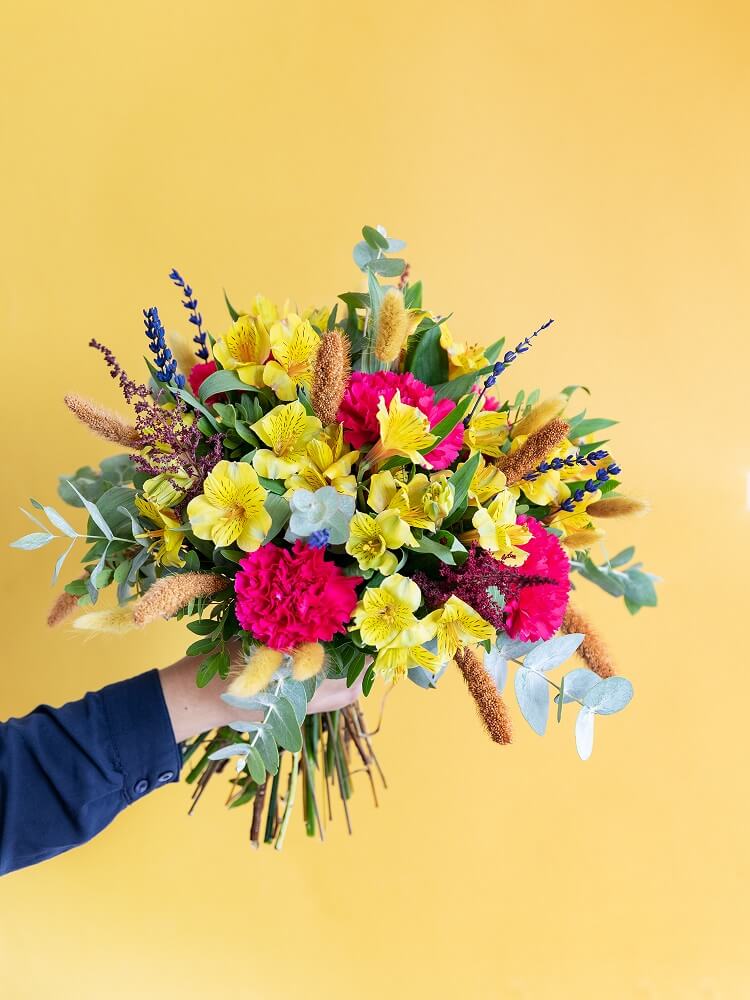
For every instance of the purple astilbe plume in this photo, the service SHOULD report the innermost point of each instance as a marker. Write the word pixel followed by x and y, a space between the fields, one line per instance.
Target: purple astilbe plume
pixel 475 582
pixel 187 450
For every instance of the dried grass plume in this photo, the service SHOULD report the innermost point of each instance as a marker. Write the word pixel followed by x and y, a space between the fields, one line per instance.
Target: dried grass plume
pixel 577 541
pixel 393 327
pixel 492 709
pixel 116 621
pixel 103 422
pixel 165 598
pixel 593 650
pixel 331 375
pixel 540 415
pixel 308 660
pixel 62 609
pixel 618 507
pixel 533 451
pixel 257 672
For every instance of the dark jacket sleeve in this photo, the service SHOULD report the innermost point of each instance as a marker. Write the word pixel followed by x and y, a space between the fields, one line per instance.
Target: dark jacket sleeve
pixel 65 773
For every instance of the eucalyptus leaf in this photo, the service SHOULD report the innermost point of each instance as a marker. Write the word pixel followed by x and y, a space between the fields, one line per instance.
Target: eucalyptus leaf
pixel 609 695
pixel 59 522
pixel 388 267
pixel 577 684
pixel 553 652
pixel 532 693
pixel 35 540
pixel 282 724
pixel 94 514
pixel 233 750
pixel 60 561
pixel 585 733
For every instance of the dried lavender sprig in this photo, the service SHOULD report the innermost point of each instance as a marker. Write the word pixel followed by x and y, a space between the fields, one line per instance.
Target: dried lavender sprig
pixel 319 539
pixel 164 363
pixel 191 304
pixel 591 486
pixel 571 460
pixel 500 366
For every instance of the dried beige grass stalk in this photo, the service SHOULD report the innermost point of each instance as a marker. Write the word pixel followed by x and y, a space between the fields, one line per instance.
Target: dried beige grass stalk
pixel 165 598
pixel 103 422
pixel 393 327
pixel 533 451
pixel 618 507
pixel 331 375
pixel 62 609
pixel 491 707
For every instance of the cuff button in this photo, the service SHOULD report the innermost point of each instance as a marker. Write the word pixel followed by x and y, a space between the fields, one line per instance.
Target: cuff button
pixel 166 776
pixel 140 786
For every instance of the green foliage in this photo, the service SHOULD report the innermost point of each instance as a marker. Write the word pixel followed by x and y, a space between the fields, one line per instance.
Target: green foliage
pixel 633 584
pixel 430 360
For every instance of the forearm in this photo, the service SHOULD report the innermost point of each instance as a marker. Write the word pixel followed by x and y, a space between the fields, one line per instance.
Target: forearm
pixel 193 710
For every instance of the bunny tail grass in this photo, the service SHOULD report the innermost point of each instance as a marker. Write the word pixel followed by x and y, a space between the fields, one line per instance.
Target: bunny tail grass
pixel 102 421
pixel 331 375
pixel 307 661
pixel 618 507
pixel 492 709
pixel 533 451
pixel 540 414
pixel 165 598
pixel 117 621
pixel 257 672
pixel 393 327
pixel 592 650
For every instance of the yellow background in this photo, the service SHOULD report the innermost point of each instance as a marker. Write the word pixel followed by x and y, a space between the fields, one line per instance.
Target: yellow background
pixel 582 160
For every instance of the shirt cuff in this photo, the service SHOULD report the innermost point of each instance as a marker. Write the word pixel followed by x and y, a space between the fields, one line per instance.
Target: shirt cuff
pixel 143 742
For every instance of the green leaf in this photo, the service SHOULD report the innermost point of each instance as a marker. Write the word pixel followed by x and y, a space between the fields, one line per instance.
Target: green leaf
pixel 413 296
pixel 368 680
pixel 278 508
pixel 195 403
pixel 33 541
pixel 442 429
pixel 430 361
pixel 570 389
pixel 354 663
pixel 389 267
pixel 429 547
pixel 117 508
pixel 94 514
pixel 222 381
pixel 282 724
pixel 462 480
pixel 59 522
pixel 622 557
pixel 60 561
pixel 211 666
pixel 458 387
pixel 584 427
pixel 295 694
pixel 255 765
pixel 601 578
pixel 202 646
pixel 374 238
pixel 639 588
pixel 266 745
pixel 493 351
pixel 232 311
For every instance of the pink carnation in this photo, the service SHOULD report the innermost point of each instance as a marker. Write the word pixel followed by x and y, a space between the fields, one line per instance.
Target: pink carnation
pixel 199 373
pixel 359 411
pixel 286 598
pixel 537 612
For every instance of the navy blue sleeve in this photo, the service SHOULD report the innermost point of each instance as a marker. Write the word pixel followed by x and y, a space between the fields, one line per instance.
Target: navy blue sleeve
pixel 65 773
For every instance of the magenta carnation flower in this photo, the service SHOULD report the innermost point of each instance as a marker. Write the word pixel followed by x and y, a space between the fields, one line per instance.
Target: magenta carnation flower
pixel 359 411
pixel 286 598
pixel 537 612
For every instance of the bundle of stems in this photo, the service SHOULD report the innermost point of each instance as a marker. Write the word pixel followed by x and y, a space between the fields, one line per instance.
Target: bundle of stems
pixel 335 746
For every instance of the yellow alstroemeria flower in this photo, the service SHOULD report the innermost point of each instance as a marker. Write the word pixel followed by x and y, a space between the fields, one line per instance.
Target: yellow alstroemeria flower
pixel 496 529
pixel 265 310
pixel 570 522
pixel 167 537
pixel 386 493
pixel 294 345
pixel 486 483
pixel 548 487
pixel 487 432
pixel 456 625
pixel 328 462
pixel 386 613
pixel 404 431
pixel 287 429
pixel 244 349
pixel 318 317
pixel 438 499
pixel 231 510
pixel 370 539
pixel 394 661
pixel 462 359
pixel 167 489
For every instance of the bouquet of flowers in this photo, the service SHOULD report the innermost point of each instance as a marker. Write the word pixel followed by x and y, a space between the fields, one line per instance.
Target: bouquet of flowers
pixel 345 493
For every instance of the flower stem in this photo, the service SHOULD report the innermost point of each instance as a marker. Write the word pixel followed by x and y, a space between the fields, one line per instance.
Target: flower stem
pixel 290 797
